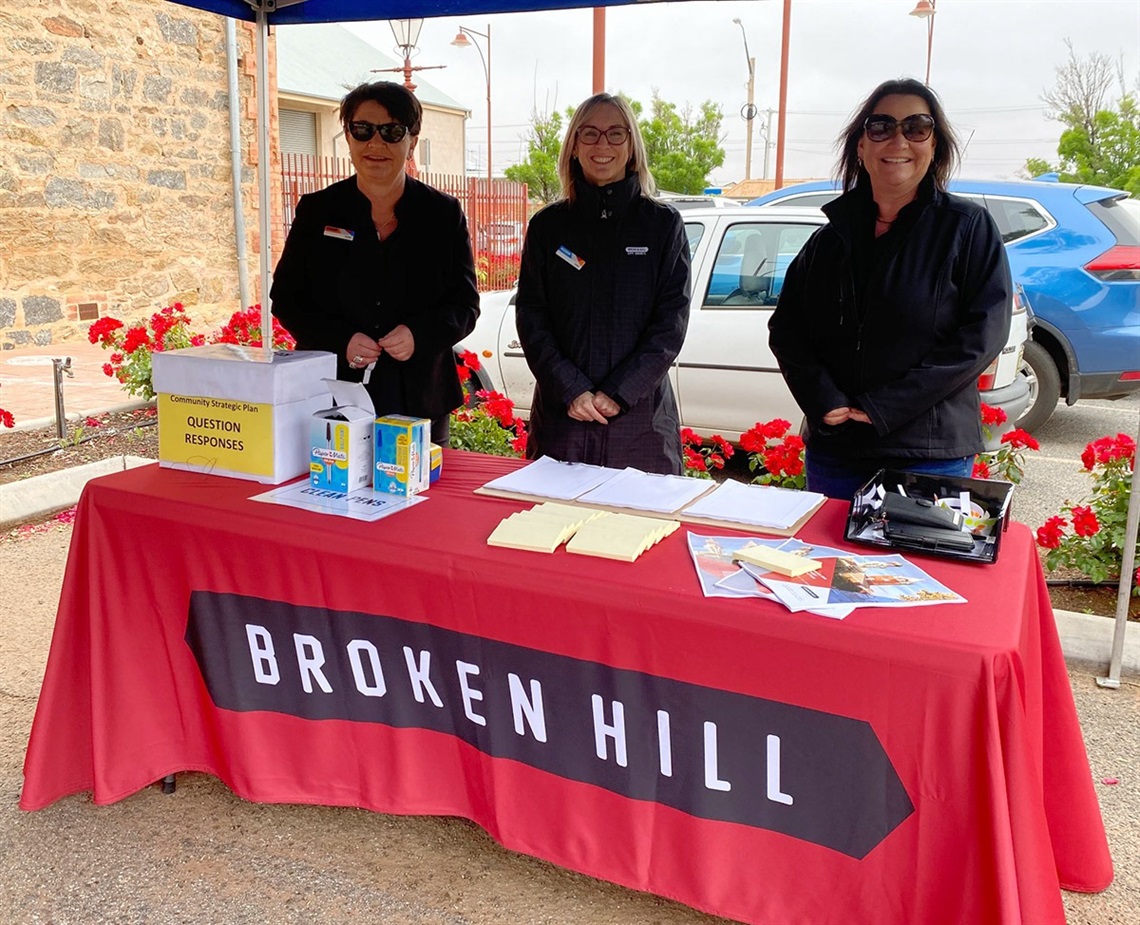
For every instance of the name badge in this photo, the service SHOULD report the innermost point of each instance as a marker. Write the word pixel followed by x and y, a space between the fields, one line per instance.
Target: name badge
pixel 570 257
pixel 343 233
pixel 637 251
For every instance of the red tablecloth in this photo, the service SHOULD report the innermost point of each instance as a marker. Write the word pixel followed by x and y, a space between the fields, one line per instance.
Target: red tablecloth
pixel 930 764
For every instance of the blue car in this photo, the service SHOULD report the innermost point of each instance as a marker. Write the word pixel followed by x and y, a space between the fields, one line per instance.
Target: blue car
pixel 1074 251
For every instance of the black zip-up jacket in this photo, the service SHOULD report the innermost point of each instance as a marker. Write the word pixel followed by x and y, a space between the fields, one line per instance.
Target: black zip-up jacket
pixel 603 305
pixel 336 277
pixel 904 335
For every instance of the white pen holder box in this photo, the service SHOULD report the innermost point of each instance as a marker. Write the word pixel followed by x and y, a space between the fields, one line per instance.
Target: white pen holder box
pixel 340 440
pixel 239 411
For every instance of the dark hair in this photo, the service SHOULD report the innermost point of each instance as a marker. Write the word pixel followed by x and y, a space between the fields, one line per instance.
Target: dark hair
pixel 946 151
pixel 400 102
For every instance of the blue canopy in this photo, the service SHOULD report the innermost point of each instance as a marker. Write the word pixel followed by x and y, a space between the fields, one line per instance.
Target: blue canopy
pixel 284 12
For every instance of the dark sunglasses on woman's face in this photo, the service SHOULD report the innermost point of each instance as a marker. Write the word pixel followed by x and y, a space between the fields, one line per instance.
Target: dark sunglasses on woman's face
pixel 914 128
pixel 391 132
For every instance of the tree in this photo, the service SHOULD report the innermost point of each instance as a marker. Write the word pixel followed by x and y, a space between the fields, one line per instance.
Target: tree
pixel 540 169
pixel 682 149
pixel 1100 146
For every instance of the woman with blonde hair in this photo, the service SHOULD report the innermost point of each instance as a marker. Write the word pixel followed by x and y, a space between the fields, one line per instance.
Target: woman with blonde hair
pixel 603 302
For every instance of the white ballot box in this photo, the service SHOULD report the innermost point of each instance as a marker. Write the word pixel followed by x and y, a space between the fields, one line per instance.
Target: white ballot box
pixel 232 410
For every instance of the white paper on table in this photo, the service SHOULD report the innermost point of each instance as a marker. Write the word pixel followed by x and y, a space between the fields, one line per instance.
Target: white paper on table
pixel 363 504
pixel 761 505
pixel 646 491
pixel 797 597
pixel 550 478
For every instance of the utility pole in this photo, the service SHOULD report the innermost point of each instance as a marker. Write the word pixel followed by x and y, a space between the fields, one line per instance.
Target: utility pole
pixel 749 110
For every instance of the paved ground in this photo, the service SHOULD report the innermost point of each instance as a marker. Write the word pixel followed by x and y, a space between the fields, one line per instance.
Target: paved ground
pixel 27 383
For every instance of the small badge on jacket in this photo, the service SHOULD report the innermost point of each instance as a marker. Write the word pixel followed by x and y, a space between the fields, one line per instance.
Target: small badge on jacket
pixel 570 257
pixel 344 234
pixel 637 251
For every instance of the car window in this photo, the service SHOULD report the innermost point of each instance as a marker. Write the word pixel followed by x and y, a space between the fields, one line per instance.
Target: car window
pixel 749 268
pixel 694 231
pixel 1017 218
pixel 808 200
pixel 1122 216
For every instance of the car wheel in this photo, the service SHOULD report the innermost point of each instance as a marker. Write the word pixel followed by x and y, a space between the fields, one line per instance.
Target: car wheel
pixel 1044 386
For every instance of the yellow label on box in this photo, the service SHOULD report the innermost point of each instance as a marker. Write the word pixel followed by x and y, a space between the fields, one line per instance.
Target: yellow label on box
pixel 222 433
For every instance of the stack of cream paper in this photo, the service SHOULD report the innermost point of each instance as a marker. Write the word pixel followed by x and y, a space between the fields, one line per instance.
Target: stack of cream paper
pixel 757 505
pixel 619 536
pixel 541 529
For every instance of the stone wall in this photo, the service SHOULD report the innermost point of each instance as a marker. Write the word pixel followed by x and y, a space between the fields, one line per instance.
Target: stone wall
pixel 115 181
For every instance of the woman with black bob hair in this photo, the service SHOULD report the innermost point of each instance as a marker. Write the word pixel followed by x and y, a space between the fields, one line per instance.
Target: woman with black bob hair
pixel 603 302
pixel 893 308
pixel 378 268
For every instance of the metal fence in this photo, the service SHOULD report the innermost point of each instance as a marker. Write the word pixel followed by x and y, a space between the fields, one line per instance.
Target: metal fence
pixel 496 210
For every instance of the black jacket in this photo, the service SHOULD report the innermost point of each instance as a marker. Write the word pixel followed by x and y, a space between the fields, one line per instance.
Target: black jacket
pixel 904 335
pixel 327 288
pixel 614 325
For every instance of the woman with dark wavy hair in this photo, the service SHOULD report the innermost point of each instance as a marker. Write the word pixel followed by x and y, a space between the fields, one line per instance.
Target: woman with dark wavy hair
pixel 894 308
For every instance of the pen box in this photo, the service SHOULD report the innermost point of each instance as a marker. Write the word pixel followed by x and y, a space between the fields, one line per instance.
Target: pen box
pixel 987 515
pixel 340 439
pixel 402 454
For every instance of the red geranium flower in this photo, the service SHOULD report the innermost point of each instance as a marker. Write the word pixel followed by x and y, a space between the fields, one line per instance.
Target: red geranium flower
pixel 1049 534
pixel 694 460
pixel 1020 440
pixel 689 437
pixel 722 445
pixel 136 337
pixel 108 369
pixel 470 359
pixel 103 331
pixel 753 440
pixel 775 428
pixel 6 418
pixel 981 470
pixel 992 416
pixel 1084 521
pixel 463 371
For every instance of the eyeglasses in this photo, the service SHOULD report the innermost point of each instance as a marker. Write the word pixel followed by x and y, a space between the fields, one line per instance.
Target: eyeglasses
pixel 618 135
pixel 391 132
pixel 914 128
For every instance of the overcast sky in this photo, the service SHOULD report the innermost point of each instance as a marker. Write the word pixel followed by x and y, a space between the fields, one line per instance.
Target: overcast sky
pixel 991 61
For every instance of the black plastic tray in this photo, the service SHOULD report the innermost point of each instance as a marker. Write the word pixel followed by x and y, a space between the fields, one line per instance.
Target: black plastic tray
pixel 992 496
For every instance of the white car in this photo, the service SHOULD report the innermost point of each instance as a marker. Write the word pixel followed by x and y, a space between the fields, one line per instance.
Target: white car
pixel 726 378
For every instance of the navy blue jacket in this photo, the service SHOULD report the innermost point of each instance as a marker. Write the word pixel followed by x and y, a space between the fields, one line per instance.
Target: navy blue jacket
pixel 905 335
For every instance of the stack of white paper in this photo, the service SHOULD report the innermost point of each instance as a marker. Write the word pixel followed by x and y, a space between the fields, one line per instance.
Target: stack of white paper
pixel 756 505
pixel 549 478
pixel 646 491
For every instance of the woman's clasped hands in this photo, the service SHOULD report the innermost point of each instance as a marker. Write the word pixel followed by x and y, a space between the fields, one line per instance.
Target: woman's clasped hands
pixel 593 406
pixel 362 350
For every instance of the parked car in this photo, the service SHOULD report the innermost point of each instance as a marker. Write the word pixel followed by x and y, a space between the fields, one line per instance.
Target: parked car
pixel 684 203
pixel 1075 252
pixel 500 239
pixel 726 378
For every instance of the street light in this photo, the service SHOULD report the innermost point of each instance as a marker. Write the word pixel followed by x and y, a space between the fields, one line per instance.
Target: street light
pixel 749 111
pixel 461 41
pixel 924 9
pixel 407 33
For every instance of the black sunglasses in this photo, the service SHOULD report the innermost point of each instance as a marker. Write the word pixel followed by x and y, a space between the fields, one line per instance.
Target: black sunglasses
pixel 391 132
pixel 914 128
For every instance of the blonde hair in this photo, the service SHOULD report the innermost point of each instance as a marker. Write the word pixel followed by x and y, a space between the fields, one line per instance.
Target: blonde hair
pixel 570 171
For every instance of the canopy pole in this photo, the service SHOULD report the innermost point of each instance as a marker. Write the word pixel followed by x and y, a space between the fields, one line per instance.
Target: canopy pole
pixel 1124 589
pixel 263 166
